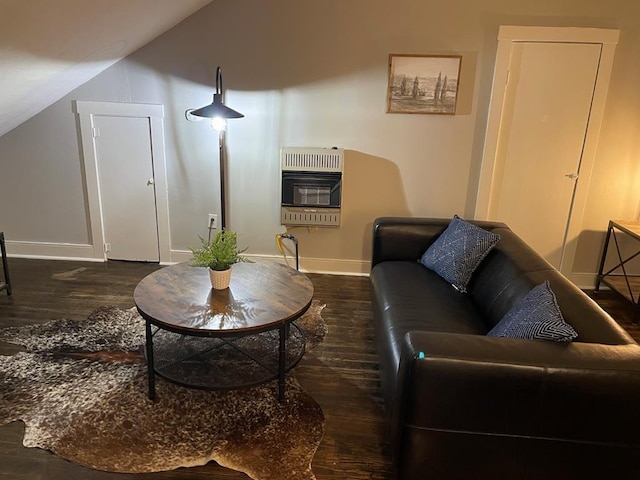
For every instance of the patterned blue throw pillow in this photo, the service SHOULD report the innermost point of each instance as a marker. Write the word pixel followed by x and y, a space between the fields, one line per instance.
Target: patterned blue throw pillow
pixel 536 317
pixel 458 251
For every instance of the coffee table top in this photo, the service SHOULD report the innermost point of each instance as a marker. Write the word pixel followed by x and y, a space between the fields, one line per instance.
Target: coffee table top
pixel 261 296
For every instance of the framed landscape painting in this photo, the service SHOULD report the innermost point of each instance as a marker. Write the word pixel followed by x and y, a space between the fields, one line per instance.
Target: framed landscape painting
pixel 423 83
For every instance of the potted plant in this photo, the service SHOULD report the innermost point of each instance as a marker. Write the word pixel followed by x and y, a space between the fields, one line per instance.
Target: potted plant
pixel 218 255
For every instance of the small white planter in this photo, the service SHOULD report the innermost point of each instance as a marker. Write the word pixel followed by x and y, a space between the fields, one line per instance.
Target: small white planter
pixel 220 278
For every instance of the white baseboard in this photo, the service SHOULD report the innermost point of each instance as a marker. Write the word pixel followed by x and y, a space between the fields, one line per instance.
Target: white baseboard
pixel 85 253
pixel 52 251
pixel 178 256
pixel 332 266
pixel 308 265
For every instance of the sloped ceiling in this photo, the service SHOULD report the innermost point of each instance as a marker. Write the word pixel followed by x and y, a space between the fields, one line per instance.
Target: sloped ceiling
pixel 50 47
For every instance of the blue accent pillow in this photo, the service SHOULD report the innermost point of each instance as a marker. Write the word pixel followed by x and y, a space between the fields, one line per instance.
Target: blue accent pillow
pixel 535 317
pixel 458 251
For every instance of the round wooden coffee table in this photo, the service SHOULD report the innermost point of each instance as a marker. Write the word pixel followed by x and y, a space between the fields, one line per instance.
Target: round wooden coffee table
pixel 222 339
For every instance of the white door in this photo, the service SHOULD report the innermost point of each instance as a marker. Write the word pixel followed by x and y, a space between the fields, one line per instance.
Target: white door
pixel 546 114
pixel 127 187
pixel 547 103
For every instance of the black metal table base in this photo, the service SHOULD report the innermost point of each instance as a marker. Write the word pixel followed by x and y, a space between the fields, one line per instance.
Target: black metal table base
pixel 6 285
pixel 223 363
pixel 619 282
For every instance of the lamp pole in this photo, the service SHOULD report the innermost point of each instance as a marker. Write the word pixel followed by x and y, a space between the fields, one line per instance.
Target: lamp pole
pixel 223 181
pixel 218 112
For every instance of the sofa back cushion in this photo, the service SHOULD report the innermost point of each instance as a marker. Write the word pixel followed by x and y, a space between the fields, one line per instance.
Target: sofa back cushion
pixel 587 318
pixel 407 238
pixel 513 268
pixel 500 280
pixel 404 238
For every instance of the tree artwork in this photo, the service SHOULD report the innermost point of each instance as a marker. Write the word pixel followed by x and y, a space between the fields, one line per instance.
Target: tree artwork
pixel 433 80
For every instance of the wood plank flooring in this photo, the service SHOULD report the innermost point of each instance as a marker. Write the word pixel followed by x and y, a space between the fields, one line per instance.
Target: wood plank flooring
pixel 341 373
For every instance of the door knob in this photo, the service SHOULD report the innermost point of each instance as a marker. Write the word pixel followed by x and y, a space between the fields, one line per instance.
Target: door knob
pixel 572 176
pixel 150 181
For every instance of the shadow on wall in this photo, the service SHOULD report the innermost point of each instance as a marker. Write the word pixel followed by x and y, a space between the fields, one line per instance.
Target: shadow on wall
pixel 371 187
pixel 588 243
pixel 588 249
pixel 193 49
pixel 591 246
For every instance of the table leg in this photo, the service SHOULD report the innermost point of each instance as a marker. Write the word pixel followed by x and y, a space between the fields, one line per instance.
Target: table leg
pixel 5 266
pixel 282 361
pixel 603 258
pixel 150 369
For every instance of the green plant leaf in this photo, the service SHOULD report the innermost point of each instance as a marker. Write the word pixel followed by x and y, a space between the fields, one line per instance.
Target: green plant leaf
pixel 219 253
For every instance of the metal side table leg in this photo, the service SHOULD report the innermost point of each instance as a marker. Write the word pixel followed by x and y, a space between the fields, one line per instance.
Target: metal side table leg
pixel 150 364
pixel 603 257
pixel 5 267
pixel 282 358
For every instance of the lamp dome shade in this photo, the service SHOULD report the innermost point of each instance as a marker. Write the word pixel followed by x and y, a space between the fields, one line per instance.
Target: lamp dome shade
pixel 216 109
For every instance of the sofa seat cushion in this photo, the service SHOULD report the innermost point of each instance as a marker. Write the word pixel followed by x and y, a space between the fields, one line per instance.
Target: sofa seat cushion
pixel 411 297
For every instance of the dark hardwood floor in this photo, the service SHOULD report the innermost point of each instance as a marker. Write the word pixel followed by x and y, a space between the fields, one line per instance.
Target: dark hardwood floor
pixel 341 373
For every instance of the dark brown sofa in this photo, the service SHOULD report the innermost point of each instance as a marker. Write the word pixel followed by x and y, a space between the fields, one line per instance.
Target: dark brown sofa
pixel 462 405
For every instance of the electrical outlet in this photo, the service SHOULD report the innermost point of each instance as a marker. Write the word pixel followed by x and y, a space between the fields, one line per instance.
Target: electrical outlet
pixel 213 221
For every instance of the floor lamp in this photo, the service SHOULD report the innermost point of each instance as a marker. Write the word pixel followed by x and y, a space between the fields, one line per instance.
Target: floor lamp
pixel 218 112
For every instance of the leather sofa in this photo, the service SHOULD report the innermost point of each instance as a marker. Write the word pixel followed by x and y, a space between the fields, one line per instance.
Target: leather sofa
pixel 462 405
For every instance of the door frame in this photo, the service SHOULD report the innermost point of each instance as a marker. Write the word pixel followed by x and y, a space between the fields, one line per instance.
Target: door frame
pixel 507 37
pixel 86 111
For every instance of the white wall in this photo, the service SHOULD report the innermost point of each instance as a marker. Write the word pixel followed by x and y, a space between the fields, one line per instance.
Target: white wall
pixel 314 73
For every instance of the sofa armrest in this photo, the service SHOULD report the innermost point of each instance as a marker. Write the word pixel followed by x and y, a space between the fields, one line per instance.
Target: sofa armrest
pixel 407 238
pixel 473 383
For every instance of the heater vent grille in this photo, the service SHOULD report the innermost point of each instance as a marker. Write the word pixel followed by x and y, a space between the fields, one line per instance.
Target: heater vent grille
pixel 321 217
pixel 312 159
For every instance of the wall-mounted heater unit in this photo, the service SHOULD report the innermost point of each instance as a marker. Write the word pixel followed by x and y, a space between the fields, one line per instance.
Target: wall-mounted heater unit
pixel 311 186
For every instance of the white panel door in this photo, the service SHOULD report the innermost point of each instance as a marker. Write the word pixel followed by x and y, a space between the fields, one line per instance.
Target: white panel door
pixel 545 119
pixel 126 182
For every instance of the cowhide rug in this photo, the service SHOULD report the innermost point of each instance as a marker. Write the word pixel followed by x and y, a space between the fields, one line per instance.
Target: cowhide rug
pixel 80 387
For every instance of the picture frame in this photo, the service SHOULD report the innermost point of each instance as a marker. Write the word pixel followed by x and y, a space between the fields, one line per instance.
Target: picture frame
pixel 424 84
